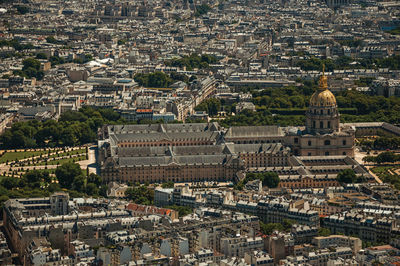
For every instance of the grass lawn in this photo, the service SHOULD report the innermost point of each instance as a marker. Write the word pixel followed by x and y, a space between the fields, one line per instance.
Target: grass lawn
pixel 12 156
pixel 68 153
pixel 65 160
pixel 382 169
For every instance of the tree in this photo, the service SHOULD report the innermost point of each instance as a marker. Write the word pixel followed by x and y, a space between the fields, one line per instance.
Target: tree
pixel 53 187
pixel 287 224
pixel 347 176
pixel 66 174
pixel 92 189
pixel 140 194
pixel 41 56
pixel 387 157
pixel 202 10
pixel 270 179
pixel 35 177
pixel 154 80
pixel 121 42
pixel 79 183
pixel 182 210
pixel 51 39
pixel 270 228
pixel 168 184
pixel 95 179
pixel 324 231
pixel 212 106
pixel 22 9
pixel 9 182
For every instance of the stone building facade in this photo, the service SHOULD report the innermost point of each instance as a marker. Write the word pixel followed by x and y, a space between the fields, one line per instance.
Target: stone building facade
pixel 207 152
pixel 219 162
pixel 323 134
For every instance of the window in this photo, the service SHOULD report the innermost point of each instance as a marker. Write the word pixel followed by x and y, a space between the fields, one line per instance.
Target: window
pixel 344 142
pixel 296 140
pixel 313 123
pixel 326 153
pixel 322 112
pixel 327 142
pixel 309 154
pixel 329 124
pixel 309 143
pixel 321 124
pixel 344 153
pixel 329 111
pixel 315 111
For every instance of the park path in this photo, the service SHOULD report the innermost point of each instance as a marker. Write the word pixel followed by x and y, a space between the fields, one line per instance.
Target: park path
pixel 90 162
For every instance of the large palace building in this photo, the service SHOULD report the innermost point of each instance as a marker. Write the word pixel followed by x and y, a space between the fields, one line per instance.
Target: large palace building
pixel 158 153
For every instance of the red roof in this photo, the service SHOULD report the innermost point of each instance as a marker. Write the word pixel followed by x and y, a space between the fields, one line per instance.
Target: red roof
pixel 144 111
pixel 147 209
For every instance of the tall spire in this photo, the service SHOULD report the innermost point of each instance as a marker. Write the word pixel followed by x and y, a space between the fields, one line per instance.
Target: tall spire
pixel 323 80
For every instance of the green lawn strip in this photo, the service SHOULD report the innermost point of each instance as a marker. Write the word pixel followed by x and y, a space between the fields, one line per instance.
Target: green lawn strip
pixel 64 160
pixel 68 153
pixel 12 156
pixel 381 169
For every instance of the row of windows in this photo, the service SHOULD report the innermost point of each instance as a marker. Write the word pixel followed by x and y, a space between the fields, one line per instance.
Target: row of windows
pixel 326 153
pixel 321 124
pixel 322 112
pixel 326 142
pixel 151 144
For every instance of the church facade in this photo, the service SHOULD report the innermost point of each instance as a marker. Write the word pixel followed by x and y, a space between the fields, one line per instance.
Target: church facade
pixel 323 134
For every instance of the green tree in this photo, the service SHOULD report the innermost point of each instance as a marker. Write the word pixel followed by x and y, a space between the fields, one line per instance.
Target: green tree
pixel 347 176
pixel 202 10
pixel 66 174
pixel 182 210
pixel 41 56
pixel 322 231
pixel 387 157
pixel 92 189
pixel 79 183
pixel 51 39
pixel 95 179
pixel 168 184
pixel 9 182
pixel 270 228
pixel 140 194
pixel 270 179
pixel 22 9
pixel 154 80
pixel 212 106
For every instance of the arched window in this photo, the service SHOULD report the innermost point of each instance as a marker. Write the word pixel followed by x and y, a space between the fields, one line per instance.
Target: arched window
pixel 327 142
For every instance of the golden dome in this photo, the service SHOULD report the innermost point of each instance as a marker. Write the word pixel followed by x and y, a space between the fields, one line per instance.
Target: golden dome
pixel 323 98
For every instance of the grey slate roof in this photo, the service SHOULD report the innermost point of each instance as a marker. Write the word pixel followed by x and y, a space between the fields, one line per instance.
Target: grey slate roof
pixel 254 131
